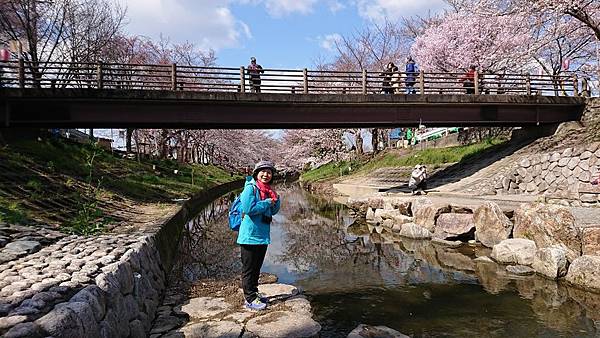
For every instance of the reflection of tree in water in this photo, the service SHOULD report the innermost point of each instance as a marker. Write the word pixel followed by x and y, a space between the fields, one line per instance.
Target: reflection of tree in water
pixel 316 236
pixel 207 247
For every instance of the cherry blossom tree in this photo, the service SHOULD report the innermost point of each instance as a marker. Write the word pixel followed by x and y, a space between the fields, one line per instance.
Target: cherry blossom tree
pixel 464 39
pixel 316 146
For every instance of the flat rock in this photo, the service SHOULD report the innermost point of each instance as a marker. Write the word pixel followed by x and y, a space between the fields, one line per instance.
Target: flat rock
pixel 299 305
pixel 283 324
pixel 278 291
pixel 363 331
pixel 23 246
pixel 222 329
pixel 205 307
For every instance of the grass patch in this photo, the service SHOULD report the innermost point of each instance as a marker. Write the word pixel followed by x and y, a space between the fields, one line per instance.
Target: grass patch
pixel 12 212
pixel 85 176
pixel 330 170
pixel 433 157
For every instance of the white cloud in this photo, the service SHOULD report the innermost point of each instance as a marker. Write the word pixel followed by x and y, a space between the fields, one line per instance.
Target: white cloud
pixel 285 7
pixel 336 6
pixel 208 23
pixel 377 10
pixel 279 8
pixel 328 41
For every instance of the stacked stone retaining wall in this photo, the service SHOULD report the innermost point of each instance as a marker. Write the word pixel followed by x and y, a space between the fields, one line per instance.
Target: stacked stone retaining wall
pixel 562 176
pixel 102 286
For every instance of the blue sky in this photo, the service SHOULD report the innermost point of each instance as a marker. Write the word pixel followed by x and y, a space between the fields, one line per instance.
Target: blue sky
pixel 280 33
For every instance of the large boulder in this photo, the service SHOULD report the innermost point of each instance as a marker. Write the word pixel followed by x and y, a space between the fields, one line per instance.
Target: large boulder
pixel 401 204
pixel 551 262
pixel 491 224
pixel 514 250
pixel 360 205
pixel 452 225
pixel 412 230
pixel 425 212
pixel 590 238
pixel 548 225
pixel 585 272
pixel 395 215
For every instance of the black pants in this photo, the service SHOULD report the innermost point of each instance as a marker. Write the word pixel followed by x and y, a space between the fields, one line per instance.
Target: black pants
pixel 252 260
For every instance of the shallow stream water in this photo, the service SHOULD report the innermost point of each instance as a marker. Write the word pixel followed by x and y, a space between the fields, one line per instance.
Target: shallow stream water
pixel 352 275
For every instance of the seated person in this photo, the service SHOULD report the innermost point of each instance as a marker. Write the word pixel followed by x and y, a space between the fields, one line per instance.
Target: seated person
pixel 418 179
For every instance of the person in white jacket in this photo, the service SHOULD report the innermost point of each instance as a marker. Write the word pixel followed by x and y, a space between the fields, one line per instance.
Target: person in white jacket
pixel 418 179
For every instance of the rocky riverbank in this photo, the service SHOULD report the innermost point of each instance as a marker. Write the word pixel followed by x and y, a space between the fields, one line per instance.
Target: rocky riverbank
pixel 535 237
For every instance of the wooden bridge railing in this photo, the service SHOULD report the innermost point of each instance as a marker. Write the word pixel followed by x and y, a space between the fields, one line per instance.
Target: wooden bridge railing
pixel 21 74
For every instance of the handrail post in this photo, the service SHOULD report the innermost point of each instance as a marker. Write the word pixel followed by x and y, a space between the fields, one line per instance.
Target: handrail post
pixel 305 79
pixel 421 82
pixel 99 76
pixel 575 85
pixel 242 79
pixel 21 73
pixel 174 76
pixel 476 83
pixel 528 84
pixel 364 82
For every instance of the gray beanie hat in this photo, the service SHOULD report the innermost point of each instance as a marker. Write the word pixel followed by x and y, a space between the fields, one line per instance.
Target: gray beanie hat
pixel 263 165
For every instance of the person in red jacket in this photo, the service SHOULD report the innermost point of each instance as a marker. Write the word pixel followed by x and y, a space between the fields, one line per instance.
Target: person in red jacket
pixel 468 80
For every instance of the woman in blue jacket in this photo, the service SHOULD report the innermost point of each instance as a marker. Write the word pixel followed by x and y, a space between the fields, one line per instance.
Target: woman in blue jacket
pixel 259 203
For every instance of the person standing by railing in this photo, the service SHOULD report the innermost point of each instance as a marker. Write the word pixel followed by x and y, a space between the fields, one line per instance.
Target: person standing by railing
pixel 411 75
pixel 388 71
pixel 468 80
pixel 254 71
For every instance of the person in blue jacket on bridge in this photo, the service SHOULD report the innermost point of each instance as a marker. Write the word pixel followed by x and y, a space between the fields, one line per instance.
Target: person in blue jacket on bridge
pixel 259 203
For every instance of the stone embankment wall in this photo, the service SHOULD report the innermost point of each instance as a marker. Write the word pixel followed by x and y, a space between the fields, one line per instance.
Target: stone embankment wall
pixel 102 286
pixel 535 237
pixel 563 175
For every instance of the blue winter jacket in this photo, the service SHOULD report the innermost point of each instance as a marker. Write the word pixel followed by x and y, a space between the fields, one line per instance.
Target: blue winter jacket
pixel 254 230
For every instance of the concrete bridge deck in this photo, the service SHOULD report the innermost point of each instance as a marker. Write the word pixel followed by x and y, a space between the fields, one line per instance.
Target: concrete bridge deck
pixel 118 108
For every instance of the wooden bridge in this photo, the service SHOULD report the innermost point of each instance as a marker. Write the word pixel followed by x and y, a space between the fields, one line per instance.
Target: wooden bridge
pixel 160 96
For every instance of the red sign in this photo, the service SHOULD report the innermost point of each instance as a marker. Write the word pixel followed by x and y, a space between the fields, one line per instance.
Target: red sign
pixel 4 54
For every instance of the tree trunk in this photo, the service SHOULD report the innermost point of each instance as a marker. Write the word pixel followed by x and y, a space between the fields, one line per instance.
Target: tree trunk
pixel 375 140
pixel 164 149
pixel 359 142
pixel 128 137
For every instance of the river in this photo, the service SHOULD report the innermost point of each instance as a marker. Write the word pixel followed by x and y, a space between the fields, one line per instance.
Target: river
pixel 353 275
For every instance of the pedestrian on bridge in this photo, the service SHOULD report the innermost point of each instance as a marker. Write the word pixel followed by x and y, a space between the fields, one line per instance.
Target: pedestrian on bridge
pixel 387 74
pixel 259 203
pixel 411 75
pixel 468 80
pixel 254 70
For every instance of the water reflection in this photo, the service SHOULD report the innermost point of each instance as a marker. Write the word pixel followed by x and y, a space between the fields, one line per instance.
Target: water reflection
pixel 355 273
pixel 207 248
